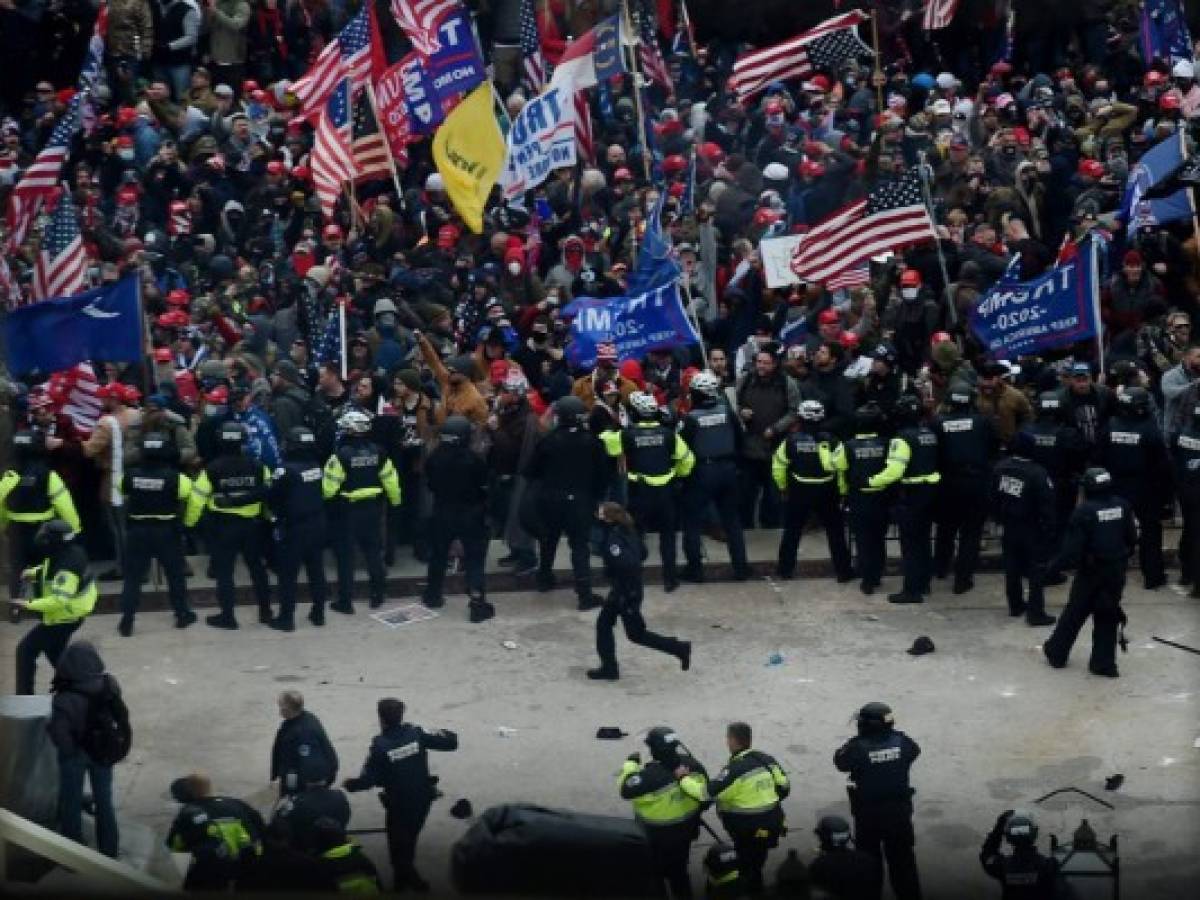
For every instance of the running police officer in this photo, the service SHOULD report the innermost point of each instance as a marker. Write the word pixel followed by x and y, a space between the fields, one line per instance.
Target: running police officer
pixel 915 448
pixel 877 761
pixel 1186 456
pixel 715 438
pixel 297 501
pixel 31 493
pixel 1023 498
pixel 229 493
pixel 655 456
pixel 807 468
pixel 155 493
pixel 1131 448
pixel 1024 874
pixel 669 816
pixel 359 474
pixel 1100 537
pixel 873 465
pixel 1059 449
pixel 398 763
pixel 842 870
pixel 63 593
pixel 569 473
pixel 967 444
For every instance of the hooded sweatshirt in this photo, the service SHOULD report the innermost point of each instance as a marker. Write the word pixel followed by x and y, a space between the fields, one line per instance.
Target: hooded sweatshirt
pixel 79 676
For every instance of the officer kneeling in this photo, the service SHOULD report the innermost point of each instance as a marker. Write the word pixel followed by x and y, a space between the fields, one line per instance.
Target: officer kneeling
pixel 1025 874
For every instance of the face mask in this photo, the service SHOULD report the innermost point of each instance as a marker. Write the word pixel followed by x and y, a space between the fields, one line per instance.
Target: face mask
pixel 125 155
pixel 514 268
pixel 386 320
pixel 909 293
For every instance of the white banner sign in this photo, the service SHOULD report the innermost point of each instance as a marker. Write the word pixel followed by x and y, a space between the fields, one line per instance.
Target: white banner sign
pixel 542 139
pixel 777 259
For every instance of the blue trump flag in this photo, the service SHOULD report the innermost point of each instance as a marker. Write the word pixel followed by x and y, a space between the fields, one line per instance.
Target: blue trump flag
pixel 655 264
pixel 103 324
pixel 1164 32
pixel 1157 164
pixel 1059 308
pixel 637 324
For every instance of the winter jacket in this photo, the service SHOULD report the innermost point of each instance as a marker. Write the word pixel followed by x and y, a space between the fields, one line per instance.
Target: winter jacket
pixel 227 20
pixel 78 678
pixel 302 753
pixel 130 29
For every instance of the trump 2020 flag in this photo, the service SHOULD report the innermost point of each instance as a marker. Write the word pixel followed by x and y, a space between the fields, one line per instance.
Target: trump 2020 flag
pixel 103 324
pixel 1157 164
pixel 636 324
pixel 1164 31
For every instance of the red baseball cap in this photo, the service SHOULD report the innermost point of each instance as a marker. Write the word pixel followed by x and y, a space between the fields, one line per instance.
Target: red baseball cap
pixel 447 236
pixel 829 317
pixel 910 278
pixel 162 355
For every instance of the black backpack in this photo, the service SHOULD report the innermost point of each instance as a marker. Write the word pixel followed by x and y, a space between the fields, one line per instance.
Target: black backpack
pixel 107 736
pixel 318 418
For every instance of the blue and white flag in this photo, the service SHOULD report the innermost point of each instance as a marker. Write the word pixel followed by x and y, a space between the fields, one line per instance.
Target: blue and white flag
pixel 656 263
pixel 1154 211
pixel 542 139
pixel 1156 165
pixel 637 324
pixel 1164 32
pixel 104 325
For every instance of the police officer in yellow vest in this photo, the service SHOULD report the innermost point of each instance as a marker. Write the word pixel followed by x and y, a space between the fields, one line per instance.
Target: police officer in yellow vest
pixel 223 834
pixel 31 493
pixel 359 475
pixel 229 493
pixel 868 477
pixel 655 456
pixel 63 593
pixel 343 867
pixel 913 452
pixel 748 792
pixel 669 816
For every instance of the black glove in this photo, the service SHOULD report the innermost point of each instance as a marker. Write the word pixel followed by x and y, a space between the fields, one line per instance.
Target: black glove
pixel 634 757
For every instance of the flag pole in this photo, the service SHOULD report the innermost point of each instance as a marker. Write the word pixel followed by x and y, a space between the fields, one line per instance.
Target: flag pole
pixel 637 87
pixel 694 319
pixel 391 159
pixel 1095 300
pixel 875 45
pixel 687 27
pixel 342 334
pixel 951 312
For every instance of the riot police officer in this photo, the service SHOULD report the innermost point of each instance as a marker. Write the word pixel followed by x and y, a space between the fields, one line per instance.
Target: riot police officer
pixel 342 866
pixel 807 468
pixel 1186 456
pixel 868 478
pixel 669 816
pixel 715 438
pixel 1131 448
pixel 229 494
pixel 842 870
pixel 1059 449
pixel 31 493
pixel 655 456
pixel 1023 498
pixel 915 448
pixel 359 475
pixel 967 444
pixel 223 834
pixel 297 500
pixel 398 763
pixel 154 492
pixel 878 762
pixel 1100 537
pixel 1025 874
pixel 458 479
pixel 568 471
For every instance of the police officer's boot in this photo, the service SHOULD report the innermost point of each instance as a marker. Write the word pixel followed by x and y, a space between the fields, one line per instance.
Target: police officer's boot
pixel 693 572
pixel 125 628
pixel 479 610
pixel 905 597
pixel 221 620
pixel 604 673
pixel 670 580
pixel 185 619
pixel 588 601
pixel 316 615
pixel 282 623
pixel 546 582
pixel 265 616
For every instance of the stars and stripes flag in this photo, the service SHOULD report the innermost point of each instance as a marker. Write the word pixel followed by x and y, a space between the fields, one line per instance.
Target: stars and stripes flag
pixel 649 53
pixel 851 278
pixel 10 289
pixel 419 19
pixel 41 178
pixel 332 156
pixel 346 56
pixel 893 216
pixel 583 128
pixel 369 146
pixel 61 263
pixel 73 394
pixel 91 73
pixel 329 345
pixel 825 47
pixel 938 14
pixel 533 63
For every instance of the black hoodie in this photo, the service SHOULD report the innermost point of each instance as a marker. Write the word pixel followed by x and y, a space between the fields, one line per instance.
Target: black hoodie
pixel 79 676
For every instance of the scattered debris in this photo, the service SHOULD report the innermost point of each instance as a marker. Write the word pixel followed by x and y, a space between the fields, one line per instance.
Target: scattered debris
pixel 462 809
pixel 1113 782
pixel 172 681
pixel 509 645
pixel 870 618
pixel 1155 637
pixel 610 733
pixel 399 616
pixel 921 646
pixel 775 659
pixel 505 731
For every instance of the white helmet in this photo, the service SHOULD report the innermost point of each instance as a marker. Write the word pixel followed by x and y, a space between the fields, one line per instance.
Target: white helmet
pixel 706 383
pixel 812 410
pixel 643 404
pixel 1183 69
pixel 354 422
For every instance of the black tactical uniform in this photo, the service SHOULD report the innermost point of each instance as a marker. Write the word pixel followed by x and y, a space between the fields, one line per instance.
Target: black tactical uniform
pixel 398 763
pixel 867 456
pixel 569 472
pixel 296 814
pixel 1100 537
pixel 842 870
pixel 1023 498
pixel 877 761
pixel 1059 449
pixel 298 503
pixel 967 443
pixel 1186 456
pixel 915 498
pixel 302 754
pixel 1131 448
pixel 1025 874
pixel 223 835
pixel 154 494
pixel 458 479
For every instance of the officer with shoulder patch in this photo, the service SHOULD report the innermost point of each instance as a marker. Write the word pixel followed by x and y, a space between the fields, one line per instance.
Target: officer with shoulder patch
pixel 1100 538
pixel 878 761
pixel 967 445
pixel 398 763
pixel 715 439
pixel 1059 449
pixel 669 816
pixel 915 450
pixel 873 465
pixel 223 834
pixel 1185 452
pixel 1025 874
pixel 342 865
pixel 1023 498
pixel 229 494
pixel 359 475
pixel 1131 448
pixel 748 792
pixel 807 468
pixel 297 500
pixel 841 869
pixel 155 493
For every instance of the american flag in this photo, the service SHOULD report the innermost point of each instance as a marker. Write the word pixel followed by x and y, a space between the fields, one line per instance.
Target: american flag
pixel 61 263
pixel 893 216
pixel 179 223
pixel 583 128
pixel 649 53
pixel 419 19
pixel 347 56
pixel 73 393
pixel 41 178
pixel 534 64
pixel 329 345
pixel 369 145
pixel 824 47
pixel 10 290
pixel 92 72
pixel 938 14
pixel 332 155
pixel 853 277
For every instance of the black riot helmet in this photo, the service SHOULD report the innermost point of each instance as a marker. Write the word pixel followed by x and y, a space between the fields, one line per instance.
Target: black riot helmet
pixel 833 832
pixel 28 445
pixel 301 443
pixel 1021 829
pixel 155 447
pixel 665 746
pixel 1097 482
pixel 232 438
pixel 875 719
pixel 53 536
pixel 570 411
pixel 868 417
pixel 456 430
pixel 908 409
pixel 1135 402
pixel 1049 406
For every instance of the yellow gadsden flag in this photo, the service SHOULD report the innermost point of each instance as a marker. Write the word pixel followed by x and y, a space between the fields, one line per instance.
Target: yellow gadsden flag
pixel 469 151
